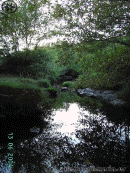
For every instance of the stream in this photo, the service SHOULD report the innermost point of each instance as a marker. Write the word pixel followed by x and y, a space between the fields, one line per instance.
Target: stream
pixel 74 139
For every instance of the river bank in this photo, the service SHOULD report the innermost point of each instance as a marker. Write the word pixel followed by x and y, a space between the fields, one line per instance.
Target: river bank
pixel 108 96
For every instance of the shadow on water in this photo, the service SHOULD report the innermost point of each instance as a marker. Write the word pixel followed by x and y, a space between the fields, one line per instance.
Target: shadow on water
pixel 20 126
pixel 106 136
pixel 101 138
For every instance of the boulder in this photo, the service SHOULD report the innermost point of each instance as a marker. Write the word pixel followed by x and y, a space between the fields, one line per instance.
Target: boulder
pixel 35 130
pixel 117 102
pixel 64 89
pixel 109 96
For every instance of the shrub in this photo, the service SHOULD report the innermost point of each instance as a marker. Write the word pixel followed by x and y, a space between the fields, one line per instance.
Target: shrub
pixel 124 93
pixel 26 63
pixel 71 72
pixel 52 91
pixel 43 83
pixel 68 84
pixel 68 74
pixel 52 79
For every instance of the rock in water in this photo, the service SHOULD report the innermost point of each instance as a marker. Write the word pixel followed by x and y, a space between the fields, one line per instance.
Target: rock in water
pixel 35 130
pixel 109 96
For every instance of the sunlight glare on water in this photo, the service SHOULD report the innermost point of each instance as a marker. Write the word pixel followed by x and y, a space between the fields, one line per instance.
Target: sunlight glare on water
pixel 69 119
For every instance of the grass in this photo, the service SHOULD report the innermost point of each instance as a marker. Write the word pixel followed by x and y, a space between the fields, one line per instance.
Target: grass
pixel 68 84
pixel 23 91
pixel 24 83
pixel 27 81
pixel 26 91
pixel 15 82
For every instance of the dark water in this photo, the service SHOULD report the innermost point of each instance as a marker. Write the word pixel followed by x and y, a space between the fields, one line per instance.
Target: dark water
pixel 73 138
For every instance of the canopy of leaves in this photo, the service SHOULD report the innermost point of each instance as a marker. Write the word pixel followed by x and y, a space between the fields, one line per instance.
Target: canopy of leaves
pixel 23 25
pixel 95 20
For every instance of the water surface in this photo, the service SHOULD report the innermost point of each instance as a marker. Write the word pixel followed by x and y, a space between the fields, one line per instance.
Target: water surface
pixel 74 136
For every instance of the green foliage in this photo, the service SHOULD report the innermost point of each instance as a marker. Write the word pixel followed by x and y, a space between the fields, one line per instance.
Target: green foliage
pixel 52 91
pixel 68 84
pixel 54 65
pixel 52 78
pixel 125 91
pixel 24 91
pixel 18 83
pixel 66 54
pixel 59 11
pixel 43 83
pixel 31 63
pixel 4 50
pixel 24 24
pixel 102 65
pixel 105 20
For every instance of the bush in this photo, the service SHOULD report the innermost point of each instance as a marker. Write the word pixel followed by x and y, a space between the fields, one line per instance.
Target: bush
pixel 124 93
pixel 43 83
pixel 52 79
pixel 26 63
pixel 68 84
pixel 52 91
pixel 71 72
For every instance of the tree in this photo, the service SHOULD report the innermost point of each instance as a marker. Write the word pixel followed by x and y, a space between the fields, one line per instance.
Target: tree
pixel 23 25
pixel 112 18
pixel 92 20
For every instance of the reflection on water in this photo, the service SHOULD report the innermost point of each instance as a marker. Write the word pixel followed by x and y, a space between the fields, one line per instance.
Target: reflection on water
pixel 74 118
pixel 67 121
pixel 74 135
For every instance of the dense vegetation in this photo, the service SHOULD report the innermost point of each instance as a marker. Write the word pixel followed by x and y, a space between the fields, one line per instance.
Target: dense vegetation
pixel 95 53
pixel 95 46
pixel 99 66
